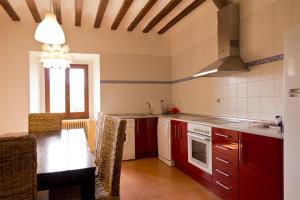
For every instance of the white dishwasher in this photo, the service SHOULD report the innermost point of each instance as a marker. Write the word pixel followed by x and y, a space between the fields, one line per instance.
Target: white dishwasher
pixel 164 141
pixel 129 144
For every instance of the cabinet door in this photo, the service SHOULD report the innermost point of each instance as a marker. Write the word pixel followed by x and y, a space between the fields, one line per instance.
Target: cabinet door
pixel 183 144
pixel 151 138
pixel 140 137
pixel 260 167
pixel 175 140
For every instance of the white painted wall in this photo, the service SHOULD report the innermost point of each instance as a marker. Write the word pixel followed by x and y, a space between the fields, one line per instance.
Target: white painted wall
pixel 17 41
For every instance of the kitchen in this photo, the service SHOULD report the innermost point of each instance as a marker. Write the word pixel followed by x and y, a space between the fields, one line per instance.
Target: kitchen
pixel 219 115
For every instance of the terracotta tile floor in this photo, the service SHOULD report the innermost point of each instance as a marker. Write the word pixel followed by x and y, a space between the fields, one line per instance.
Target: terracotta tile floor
pixel 150 179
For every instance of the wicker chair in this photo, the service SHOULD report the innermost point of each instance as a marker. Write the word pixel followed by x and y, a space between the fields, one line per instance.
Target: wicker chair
pixel 98 136
pixel 111 139
pixel 18 165
pixel 43 122
pixel 110 158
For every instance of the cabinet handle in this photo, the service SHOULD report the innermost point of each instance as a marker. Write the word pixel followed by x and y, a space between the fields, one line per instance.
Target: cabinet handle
pixel 175 129
pixel 224 161
pixel 223 173
pixel 179 132
pixel 137 128
pixel 224 148
pixel 223 186
pixel 222 135
pixel 243 151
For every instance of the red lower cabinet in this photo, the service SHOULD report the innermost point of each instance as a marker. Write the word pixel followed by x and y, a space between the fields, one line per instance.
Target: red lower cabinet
pixel 225 163
pixel 146 137
pixel 260 167
pixel 179 144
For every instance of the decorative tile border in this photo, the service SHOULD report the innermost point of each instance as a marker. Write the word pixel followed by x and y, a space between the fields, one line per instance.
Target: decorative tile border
pixel 265 60
pixel 249 64
pixel 133 82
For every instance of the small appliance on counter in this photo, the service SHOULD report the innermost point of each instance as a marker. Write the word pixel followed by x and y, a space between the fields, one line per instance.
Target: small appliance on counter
pixel 172 110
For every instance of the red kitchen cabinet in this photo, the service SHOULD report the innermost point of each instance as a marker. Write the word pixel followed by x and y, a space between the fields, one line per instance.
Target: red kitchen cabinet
pixel 179 144
pixel 225 150
pixel 260 167
pixel 146 137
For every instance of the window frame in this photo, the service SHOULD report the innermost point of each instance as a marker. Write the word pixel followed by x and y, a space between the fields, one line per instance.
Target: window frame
pixel 68 114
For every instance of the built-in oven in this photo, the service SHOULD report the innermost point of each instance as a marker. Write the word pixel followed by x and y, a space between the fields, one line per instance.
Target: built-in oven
pixel 200 147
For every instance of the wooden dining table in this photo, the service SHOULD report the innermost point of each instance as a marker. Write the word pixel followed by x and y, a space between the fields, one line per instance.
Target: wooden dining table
pixel 63 160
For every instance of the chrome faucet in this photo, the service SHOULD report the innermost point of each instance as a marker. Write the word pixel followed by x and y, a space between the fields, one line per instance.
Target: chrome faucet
pixel 150 111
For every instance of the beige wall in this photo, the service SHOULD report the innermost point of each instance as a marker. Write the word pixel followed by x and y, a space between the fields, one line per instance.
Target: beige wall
pixel 254 95
pixel 134 50
pixel 128 98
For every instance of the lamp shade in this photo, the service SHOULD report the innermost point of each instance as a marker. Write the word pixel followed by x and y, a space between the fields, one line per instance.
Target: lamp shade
pixel 49 31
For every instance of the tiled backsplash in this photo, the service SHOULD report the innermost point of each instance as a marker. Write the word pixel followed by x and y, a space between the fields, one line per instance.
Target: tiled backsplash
pixel 255 95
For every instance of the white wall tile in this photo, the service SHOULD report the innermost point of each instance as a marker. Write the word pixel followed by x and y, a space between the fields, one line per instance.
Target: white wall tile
pixel 267 88
pixel 278 87
pixel 242 104
pixel 279 105
pixel 254 105
pixel 253 75
pixel 255 116
pixel 278 69
pixel 254 89
pixel 267 71
pixel 269 117
pixel 232 91
pixel 242 77
pixel 242 90
pixel 232 104
pixel 232 79
pixel 268 105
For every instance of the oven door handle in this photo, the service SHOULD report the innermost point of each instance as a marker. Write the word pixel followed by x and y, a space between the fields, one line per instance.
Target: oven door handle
pixel 199 137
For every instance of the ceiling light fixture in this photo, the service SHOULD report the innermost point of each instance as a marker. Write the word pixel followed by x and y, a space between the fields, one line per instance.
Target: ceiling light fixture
pixel 56 56
pixel 49 31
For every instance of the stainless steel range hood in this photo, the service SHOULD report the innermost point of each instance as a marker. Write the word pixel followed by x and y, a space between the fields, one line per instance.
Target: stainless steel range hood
pixel 229 61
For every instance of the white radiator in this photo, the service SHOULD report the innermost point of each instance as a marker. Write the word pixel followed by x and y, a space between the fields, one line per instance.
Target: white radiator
pixel 75 124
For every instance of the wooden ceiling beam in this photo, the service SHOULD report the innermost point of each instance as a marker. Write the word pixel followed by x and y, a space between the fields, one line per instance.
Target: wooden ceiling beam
pixel 10 10
pixel 220 3
pixel 57 10
pixel 123 10
pixel 141 14
pixel 78 12
pixel 181 15
pixel 100 13
pixel 34 11
pixel 164 12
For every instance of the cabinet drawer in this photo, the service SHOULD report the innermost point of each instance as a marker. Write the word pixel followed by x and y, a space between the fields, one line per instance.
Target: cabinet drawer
pixel 225 163
pixel 225 135
pixel 227 187
pixel 230 149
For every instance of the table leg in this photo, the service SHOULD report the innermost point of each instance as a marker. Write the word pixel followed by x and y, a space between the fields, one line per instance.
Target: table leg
pixel 88 187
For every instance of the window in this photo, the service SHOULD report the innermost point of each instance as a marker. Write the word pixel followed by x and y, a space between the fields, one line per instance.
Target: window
pixel 67 91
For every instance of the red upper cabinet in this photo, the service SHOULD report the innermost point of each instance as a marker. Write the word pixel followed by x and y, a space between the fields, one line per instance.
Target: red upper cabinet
pixel 260 167
pixel 146 137
pixel 179 143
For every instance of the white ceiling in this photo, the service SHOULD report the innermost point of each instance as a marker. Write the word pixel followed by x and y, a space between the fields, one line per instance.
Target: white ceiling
pixel 90 9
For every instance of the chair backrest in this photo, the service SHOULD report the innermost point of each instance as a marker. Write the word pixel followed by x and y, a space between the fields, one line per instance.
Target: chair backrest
pixel 111 151
pixel 18 165
pixel 98 136
pixel 41 122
